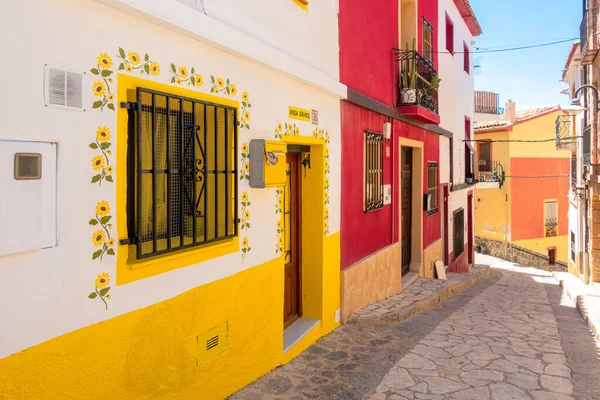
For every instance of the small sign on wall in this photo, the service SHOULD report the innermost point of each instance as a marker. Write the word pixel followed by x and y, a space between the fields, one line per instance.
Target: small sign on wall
pixel 314 115
pixel 299 113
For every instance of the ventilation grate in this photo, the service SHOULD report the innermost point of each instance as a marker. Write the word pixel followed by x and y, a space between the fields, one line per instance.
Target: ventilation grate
pixel 212 342
pixel 63 89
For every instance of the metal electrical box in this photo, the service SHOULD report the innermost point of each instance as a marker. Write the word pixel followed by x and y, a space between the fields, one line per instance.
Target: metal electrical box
pixel 27 196
pixel 267 163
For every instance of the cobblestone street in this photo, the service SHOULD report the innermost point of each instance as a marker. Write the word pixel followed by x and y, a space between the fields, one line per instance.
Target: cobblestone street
pixel 514 335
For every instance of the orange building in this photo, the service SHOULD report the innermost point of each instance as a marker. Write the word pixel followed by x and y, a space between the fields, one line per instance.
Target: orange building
pixel 521 200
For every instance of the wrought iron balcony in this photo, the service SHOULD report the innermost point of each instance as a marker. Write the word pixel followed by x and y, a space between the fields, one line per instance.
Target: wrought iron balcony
pixel 490 171
pixel 418 87
pixel 588 35
pixel 587 142
pixel 565 137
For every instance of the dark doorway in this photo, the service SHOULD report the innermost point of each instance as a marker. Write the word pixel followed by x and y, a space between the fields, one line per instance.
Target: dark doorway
pixel 292 307
pixel 406 207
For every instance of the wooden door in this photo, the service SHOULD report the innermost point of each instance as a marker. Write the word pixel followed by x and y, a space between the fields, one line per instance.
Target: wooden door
pixel 446 223
pixel 406 207
pixel 292 309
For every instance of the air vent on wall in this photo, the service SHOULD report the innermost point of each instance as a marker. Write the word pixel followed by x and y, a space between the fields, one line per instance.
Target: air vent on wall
pixel 212 342
pixel 63 89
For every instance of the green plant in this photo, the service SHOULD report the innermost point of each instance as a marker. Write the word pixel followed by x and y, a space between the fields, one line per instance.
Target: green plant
pixel 409 69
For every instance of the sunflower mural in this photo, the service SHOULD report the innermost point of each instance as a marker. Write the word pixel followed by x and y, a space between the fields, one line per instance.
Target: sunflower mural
pixel 101 87
pixel 244 112
pixel 101 162
pixel 279 244
pixel 101 288
pixel 101 236
pixel 221 86
pixel 320 133
pixel 286 130
pixel 181 75
pixel 245 248
pixel 132 61
pixel 245 212
pixel 245 163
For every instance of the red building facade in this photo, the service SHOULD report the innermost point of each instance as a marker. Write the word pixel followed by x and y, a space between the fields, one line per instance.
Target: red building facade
pixel 400 235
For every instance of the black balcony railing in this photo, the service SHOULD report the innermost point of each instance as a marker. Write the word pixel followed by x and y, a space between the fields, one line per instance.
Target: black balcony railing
pixel 424 91
pixel 490 171
pixel 564 131
pixel 587 141
pixel 588 32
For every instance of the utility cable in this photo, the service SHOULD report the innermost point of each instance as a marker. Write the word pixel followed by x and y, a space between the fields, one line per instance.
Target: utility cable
pixel 498 50
pixel 515 140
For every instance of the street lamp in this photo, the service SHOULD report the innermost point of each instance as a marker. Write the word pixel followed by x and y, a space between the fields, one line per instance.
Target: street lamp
pixel 577 102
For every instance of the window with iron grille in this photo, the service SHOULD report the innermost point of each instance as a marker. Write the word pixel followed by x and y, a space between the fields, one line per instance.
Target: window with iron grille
pixel 182 169
pixel 459 232
pixel 427 40
pixel 432 187
pixel 572 246
pixel 573 171
pixel 373 160
pixel 551 218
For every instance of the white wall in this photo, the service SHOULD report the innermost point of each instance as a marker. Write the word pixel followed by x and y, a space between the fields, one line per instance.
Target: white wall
pixel 457 87
pixel 47 290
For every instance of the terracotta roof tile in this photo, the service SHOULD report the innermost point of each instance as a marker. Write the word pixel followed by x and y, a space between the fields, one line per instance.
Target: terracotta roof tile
pixel 522 116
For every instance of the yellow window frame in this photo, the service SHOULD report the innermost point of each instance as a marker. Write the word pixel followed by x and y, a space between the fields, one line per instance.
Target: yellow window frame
pixel 129 268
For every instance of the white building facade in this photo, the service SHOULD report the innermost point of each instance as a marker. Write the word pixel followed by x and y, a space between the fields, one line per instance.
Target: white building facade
pixel 136 258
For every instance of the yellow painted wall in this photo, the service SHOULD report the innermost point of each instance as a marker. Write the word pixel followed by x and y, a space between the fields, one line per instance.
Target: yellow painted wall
pixel 540 128
pixel 152 352
pixel 541 245
pixel 490 203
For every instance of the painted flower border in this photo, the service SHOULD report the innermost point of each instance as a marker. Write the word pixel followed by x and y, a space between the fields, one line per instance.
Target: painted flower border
pixel 101 288
pixel 101 161
pixel 132 61
pixel 101 237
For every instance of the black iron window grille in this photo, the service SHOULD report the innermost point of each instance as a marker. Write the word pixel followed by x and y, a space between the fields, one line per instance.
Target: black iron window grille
pixel 564 132
pixel 587 132
pixel 458 236
pixel 432 187
pixel 572 246
pixel 182 173
pixel 419 81
pixel 427 40
pixel 551 218
pixel 373 160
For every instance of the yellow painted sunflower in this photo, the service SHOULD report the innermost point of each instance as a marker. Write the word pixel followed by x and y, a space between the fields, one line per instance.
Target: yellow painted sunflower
pixel 297 131
pixel 134 58
pixel 247 115
pixel 326 151
pixel 111 243
pixel 183 72
pixel 278 224
pixel 104 61
pixel 279 126
pixel 232 90
pixel 326 213
pixel 245 242
pixel 245 96
pixel 154 68
pixel 178 80
pixel 246 166
pixel 220 83
pixel 102 280
pixel 103 134
pixel 280 240
pixel 199 80
pixel 108 297
pixel 98 238
pixel 97 163
pixel 247 215
pixel 244 147
pixel 326 181
pixel 109 152
pixel 99 88
pixel 109 170
pixel 102 208
pixel 110 97
pixel 245 197
pixel 128 68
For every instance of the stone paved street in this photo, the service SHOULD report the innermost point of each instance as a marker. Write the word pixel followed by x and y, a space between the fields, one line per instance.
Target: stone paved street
pixel 515 336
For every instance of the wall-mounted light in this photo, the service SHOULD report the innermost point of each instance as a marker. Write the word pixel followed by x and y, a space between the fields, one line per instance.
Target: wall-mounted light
pixel 387 130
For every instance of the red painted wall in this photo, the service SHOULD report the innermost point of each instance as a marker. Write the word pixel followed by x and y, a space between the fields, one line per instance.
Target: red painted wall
pixel 365 233
pixel 528 222
pixel 429 10
pixel 368 31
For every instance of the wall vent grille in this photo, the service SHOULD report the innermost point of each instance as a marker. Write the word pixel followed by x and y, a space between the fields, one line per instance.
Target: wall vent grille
pixel 212 342
pixel 63 89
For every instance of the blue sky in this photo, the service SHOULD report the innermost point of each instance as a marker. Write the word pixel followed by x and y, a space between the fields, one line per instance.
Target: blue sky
pixel 529 77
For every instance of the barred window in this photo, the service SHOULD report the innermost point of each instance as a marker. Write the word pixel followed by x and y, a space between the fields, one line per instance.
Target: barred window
pixel 551 218
pixel 572 246
pixel 373 161
pixel 432 187
pixel 182 169
pixel 427 40
pixel 459 232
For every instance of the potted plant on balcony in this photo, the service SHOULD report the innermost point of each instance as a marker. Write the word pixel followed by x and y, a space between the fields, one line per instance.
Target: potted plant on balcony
pixel 408 84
